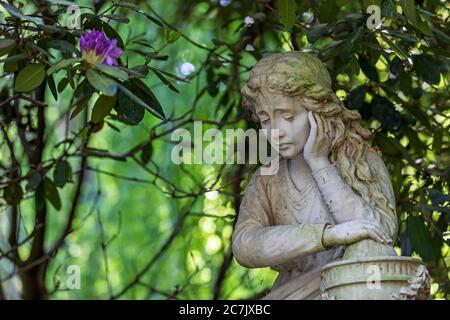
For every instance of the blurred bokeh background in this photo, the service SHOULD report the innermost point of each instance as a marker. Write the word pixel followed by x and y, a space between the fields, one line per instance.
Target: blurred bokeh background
pixel 145 228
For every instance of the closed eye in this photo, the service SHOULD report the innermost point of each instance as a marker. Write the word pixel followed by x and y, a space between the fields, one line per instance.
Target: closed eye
pixel 265 120
pixel 288 116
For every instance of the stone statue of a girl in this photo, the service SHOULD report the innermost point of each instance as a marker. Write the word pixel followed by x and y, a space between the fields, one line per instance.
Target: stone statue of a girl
pixel 331 197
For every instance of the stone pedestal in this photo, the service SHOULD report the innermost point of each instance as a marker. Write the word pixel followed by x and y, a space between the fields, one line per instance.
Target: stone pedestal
pixel 379 277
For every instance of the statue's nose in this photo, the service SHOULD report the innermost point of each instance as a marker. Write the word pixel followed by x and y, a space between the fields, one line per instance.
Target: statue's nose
pixel 276 126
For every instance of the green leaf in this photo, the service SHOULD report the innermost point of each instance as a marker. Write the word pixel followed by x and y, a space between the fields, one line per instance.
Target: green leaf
pixel 437 197
pixel 33 181
pixel 437 141
pixel 141 89
pixel 355 99
pixel 69 174
pixel 62 84
pixel 427 68
pixel 7 50
pixel 170 75
pixel 350 46
pixel 64 46
pixel 328 10
pixel 30 77
pixel 352 67
pixel 47 54
pixel 155 56
pixel 396 66
pixel 372 47
pixel 52 86
pixel 13 193
pixel 118 18
pixel 67 3
pixel 104 84
pixel 112 34
pixel 80 105
pixel 147 152
pixel 420 115
pixel 129 107
pixel 14 57
pixel 84 88
pixel 39 199
pixel 286 9
pixel 421 240
pixel 10 67
pixel 62 64
pixel 441 36
pixel 371 2
pixel 415 142
pixel 143 96
pixel 388 9
pixel 134 7
pixel 402 54
pixel 387 145
pixel 6 43
pixel 409 9
pixel 423 27
pixel 403 36
pixel 102 108
pixel 13 11
pixel 173 36
pixel 61 173
pixel 91 21
pixel 369 70
pixel 164 80
pixel 69 73
pixel 51 193
pixel 316 32
pixel 112 71
pixel 138 71
pixel 145 44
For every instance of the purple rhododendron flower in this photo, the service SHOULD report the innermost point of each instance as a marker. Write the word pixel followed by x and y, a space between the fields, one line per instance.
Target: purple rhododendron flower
pixel 96 47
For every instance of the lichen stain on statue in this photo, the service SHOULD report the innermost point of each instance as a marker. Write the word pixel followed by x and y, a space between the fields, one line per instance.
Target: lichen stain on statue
pixel 325 220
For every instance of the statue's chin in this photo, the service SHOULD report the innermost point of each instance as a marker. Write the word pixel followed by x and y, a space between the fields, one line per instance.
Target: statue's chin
pixel 287 156
pixel 288 153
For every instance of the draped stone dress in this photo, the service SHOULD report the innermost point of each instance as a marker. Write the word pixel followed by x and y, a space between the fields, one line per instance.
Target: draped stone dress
pixel 281 226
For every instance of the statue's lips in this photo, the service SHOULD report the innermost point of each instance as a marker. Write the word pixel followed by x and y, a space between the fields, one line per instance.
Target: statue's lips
pixel 284 146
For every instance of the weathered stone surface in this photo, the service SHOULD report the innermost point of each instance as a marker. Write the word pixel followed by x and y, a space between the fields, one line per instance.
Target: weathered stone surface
pixel 331 199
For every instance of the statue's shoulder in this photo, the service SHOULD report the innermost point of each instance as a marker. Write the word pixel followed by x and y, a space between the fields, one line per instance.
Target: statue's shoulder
pixel 375 158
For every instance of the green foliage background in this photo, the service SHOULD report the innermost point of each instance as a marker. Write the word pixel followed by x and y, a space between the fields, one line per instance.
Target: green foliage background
pixel 155 225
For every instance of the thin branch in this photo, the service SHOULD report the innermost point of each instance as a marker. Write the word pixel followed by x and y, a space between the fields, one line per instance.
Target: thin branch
pixel 104 247
pixel 25 240
pixel 75 201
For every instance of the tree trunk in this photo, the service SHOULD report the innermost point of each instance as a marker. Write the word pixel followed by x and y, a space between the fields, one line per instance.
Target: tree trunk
pixel 33 281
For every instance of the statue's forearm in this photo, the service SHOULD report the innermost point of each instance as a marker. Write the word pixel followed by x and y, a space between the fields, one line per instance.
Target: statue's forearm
pixel 257 247
pixel 342 202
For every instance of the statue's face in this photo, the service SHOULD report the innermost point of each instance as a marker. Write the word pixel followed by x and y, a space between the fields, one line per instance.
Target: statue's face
pixel 289 116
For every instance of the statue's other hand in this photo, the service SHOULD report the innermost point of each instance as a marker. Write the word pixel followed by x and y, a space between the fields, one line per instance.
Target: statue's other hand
pixel 353 231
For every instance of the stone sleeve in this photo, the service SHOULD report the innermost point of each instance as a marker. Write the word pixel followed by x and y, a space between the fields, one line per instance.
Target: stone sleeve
pixel 257 243
pixel 345 205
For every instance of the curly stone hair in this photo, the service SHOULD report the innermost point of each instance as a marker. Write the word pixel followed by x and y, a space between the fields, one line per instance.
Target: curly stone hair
pixel 299 74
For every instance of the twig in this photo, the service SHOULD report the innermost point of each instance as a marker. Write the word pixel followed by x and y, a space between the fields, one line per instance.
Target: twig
pixel 104 247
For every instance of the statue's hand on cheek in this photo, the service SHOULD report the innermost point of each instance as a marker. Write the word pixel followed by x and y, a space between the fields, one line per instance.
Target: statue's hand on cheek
pixel 317 147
